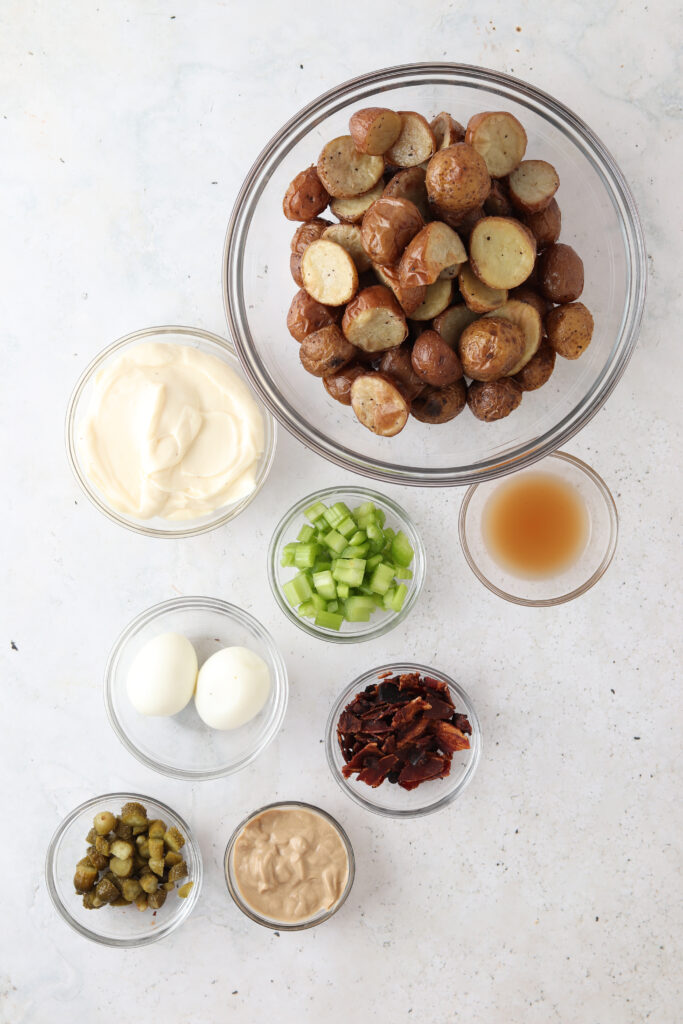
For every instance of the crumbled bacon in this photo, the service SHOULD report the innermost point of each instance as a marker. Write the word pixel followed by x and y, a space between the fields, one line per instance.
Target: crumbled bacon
pixel 404 729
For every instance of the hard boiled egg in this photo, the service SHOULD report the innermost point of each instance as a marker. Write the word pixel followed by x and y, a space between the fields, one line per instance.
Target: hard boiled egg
pixel 232 687
pixel 162 675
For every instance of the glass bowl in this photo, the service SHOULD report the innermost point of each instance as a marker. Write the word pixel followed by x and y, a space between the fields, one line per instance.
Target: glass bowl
pixel 268 922
pixel 581 575
pixel 381 621
pixel 599 218
pixel 182 746
pixel 390 800
pixel 116 926
pixel 79 402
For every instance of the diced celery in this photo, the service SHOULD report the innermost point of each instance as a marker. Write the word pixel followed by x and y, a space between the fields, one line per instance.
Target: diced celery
pixel 402 573
pixel 347 527
pixel 337 514
pixel 333 606
pixel 306 533
pixel 305 555
pixel 287 556
pixel 379 600
pixel 307 610
pixel 335 541
pixel 359 609
pixel 399 597
pixel 372 562
pixel 366 509
pixel 349 571
pixel 356 551
pixel 380 516
pixel 343 590
pixel 389 534
pixel 382 578
pixel 388 598
pixel 329 620
pixel 401 551
pixel 375 535
pixel 324 585
pixel 359 537
pixel 315 511
pixel 297 590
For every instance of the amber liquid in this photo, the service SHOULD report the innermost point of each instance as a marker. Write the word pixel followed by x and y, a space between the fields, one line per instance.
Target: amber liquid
pixel 535 525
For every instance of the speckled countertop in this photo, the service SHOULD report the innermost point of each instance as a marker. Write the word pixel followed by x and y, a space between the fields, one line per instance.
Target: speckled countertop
pixel 548 892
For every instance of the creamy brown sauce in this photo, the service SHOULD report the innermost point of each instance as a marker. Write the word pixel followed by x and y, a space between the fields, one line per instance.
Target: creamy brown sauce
pixel 289 864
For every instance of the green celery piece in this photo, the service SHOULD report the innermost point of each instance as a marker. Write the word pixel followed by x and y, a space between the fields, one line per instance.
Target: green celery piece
pixel 343 590
pixel 401 551
pixel 365 589
pixel 399 597
pixel 329 620
pixel 347 527
pixel 359 537
pixel 305 555
pixel 366 509
pixel 297 590
pixel 325 585
pixel 350 571
pixel 315 511
pixel 335 542
pixel 333 606
pixel 388 598
pixel 389 534
pixel 287 556
pixel 380 516
pixel 402 573
pixel 382 578
pixel 307 610
pixel 372 562
pixel 356 551
pixel 359 609
pixel 379 600
pixel 306 533
pixel 337 514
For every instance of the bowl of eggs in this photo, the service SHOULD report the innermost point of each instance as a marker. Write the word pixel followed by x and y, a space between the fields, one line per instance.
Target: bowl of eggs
pixel 195 688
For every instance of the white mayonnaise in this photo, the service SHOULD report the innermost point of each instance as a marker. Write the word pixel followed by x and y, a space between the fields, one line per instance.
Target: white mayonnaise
pixel 171 432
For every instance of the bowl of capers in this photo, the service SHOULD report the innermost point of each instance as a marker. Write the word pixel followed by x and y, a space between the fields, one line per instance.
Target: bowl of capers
pixel 123 869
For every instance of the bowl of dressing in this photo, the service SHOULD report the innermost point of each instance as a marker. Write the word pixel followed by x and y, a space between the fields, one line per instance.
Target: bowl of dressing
pixel 543 536
pixel 164 435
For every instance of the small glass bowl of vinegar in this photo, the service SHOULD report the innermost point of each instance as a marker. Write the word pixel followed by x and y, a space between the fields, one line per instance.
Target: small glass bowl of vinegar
pixel 542 536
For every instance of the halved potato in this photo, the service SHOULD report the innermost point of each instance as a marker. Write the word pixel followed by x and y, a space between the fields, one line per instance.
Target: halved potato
pixel 447 131
pixel 527 294
pixel 397 365
pixel 452 322
pixel 410 184
pixel 374 321
pixel 532 185
pixel 325 351
pixel 352 210
pixel 496 204
pixel 409 298
pixel 477 295
pixel 434 361
pixel 306 196
pixel 490 347
pixel 440 405
pixel 560 273
pixel 415 142
pixel 328 272
pixel 345 172
pixel 349 237
pixel 529 320
pixel 499 138
pixel 306 315
pixel 338 385
pixel 295 268
pixel 494 399
pixel 570 329
pixel 457 179
pixel 545 225
pixel 307 233
pixel 435 249
pixel 387 227
pixel 379 405
pixel 375 129
pixel 437 297
pixel 538 370
pixel 502 252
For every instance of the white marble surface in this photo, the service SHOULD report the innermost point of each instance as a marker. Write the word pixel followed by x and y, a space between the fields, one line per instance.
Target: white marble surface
pixel 548 892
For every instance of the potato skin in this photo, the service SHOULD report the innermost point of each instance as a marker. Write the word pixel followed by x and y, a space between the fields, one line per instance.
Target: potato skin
pixel 457 179
pixel 497 202
pixel 338 385
pixel 409 299
pixel 308 232
pixel 409 183
pixel 387 227
pixel 560 273
pixel 433 250
pixel 379 404
pixel 434 361
pixel 363 129
pixel 377 297
pixel 446 130
pixel 545 225
pixel 538 370
pixel 526 294
pixel 490 347
pixel 306 315
pixel 495 399
pixel 570 329
pixel 306 196
pixel 295 268
pixel 325 351
pixel 440 405
pixel 396 364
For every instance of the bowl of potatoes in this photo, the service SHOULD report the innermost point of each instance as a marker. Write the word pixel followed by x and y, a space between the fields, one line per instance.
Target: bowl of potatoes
pixel 434 274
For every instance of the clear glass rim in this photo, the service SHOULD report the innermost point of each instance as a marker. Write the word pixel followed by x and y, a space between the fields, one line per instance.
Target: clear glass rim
pixel 605 562
pixel 387 624
pixel 188 903
pixel 246 619
pixel 352 789
pixel 264 921
pixel 565 121
pixel 70 425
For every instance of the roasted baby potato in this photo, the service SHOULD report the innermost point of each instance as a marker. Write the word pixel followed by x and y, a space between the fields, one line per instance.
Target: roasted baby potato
pixel 446 130
pixel 410 184
pixel 570 329
pixel 306 315
pixel 532 185
pixel 374 321
pixel 322 353
pixel 352 210
pixel 409 299
pixel 387 227
pixel 527 294
pixel 538 370
pixel 307 233
pixel 452 322
pixel 338 385
pixel 329 273
pixel 477 295
pixel 497 202
pixel 495 399
pixel 415 142
pixel 457 179
pixel 397 365
pixel 560 273
pixel 434 361
pixel 440 405
pixel 345 172
pixel 437 298
pixel 490 347
pixel 434 250
pixel 349 237
pixel 375 129
pixel 379 404
pixel 528 319
pixel 545 225
pixel 502 252
pixel 305 197
pixel 463 223
pixel 295 268
pixel 499 138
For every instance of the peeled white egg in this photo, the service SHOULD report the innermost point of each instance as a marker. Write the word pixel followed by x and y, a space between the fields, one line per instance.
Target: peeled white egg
pixel 162 676
pixel 232 687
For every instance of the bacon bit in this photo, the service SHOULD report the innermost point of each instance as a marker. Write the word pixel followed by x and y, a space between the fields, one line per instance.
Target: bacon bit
pixel 451 739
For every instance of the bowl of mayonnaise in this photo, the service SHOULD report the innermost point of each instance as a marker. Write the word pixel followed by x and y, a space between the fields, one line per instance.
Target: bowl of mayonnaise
pixel 164 434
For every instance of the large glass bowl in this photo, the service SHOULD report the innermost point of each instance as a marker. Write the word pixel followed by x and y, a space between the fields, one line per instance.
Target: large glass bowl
pixel 599 218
